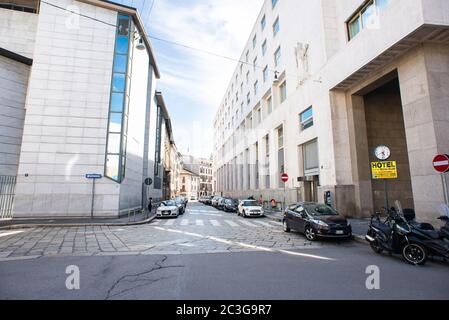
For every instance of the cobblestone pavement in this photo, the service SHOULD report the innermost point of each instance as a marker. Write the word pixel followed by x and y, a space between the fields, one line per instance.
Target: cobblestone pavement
pixel 201 230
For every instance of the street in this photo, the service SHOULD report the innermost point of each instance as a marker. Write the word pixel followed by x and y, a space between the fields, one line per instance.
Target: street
pixel 205 254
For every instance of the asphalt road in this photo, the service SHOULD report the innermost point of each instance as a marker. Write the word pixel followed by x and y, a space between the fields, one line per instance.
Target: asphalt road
pixel 322 271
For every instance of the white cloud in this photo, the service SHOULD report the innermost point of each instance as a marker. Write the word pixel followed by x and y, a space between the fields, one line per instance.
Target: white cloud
pixel 220 26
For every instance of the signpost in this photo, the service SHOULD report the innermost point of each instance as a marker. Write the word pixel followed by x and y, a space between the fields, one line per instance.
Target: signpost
pixel 93 177
pixel 383 169
pixel 284 178
pixel 441 165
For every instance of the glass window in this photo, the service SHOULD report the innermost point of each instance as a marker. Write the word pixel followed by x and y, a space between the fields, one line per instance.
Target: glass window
pixel 263 23
pixel 255 64
pixel 277 56
pixel 283 91
pixel 270 105
pixel 273 3
pixel 117 100
pixel 120 63
pixel 256 87
pixel 264 47
pixel 112 167
pixel 123 25
pixel 265 74
pixel 306 118
pixel 276 27
pixel 118 82
pixel 122 45
pixel 115 122
pixel 254 41
pixel 354 27
pixel 369 16
pixel 114 143
pixel 281 137
pixel 311 163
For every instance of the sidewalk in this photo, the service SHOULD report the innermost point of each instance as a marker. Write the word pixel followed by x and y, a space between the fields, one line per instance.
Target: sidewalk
pixel 137 219
pixel 359 226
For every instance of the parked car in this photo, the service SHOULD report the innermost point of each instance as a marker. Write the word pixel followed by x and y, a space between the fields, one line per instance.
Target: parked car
pixel 221 203
pixel 250 208
pixel 168 208
pixel 193 198
pixel 208 200
pixel 214 201
pixel 183 200
pixel 231 205
pixel 181 205
pixel 315 221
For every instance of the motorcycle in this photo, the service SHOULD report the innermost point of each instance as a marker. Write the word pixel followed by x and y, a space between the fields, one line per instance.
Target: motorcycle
pixel 396 236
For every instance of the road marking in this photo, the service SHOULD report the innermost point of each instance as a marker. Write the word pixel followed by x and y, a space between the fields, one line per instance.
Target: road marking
pixel 205 214
pixel 249 224
pixel 169 223
pixel 185 222
pixel 231 223
pixel 199 223
pixel 265 224
pixel 215 223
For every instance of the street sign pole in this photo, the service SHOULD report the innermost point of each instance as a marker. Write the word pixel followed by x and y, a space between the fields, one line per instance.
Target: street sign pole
pixel 94 177
pixel 387 204
pixel 93 199
pixel 445 188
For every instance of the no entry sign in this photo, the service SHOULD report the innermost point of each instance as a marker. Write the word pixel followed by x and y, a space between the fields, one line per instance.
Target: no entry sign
pixel 284 177
pixel 441 163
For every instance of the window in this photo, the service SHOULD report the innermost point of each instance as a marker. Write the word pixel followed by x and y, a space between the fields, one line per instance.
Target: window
pixel 247 77
pixel 255 64
pixel 306 118
pixel 276 27
pixel 283 91
pixel 270 105
pixel 247 57
pixel 267 145
pixel 256 87
pixel 259 115
pixel 277 56
pixel 115 160
pixel 273 3
pixel 264 47
pixel 281 138
pixel 248 98
pixel 367 17
pixel 254 41
pixel 241 68
pixel 311 162
pixel 265 74
pixel 263 23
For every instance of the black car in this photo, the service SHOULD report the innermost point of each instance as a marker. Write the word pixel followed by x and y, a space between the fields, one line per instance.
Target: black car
pixel 181 205
pixel 231 205
pixel 315 221
pixel 214 201
pixel 221 203
pixel 208 200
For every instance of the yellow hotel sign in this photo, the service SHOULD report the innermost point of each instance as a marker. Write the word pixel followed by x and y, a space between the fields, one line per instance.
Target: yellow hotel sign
pixel 384 170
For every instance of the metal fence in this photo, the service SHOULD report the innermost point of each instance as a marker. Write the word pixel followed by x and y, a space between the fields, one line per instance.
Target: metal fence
pixel 7 191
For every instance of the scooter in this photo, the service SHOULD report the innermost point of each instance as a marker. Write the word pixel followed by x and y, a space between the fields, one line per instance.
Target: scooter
pixel 396 236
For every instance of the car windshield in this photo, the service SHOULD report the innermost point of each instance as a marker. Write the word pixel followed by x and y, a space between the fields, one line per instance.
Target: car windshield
pixel 169 203
pixel 249 203
pixel 320 210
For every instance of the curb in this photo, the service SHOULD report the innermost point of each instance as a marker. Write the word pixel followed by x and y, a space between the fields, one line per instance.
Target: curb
pixel 359 239
pixel 74 225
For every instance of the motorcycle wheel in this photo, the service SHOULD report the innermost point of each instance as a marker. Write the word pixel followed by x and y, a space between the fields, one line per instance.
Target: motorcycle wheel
pixel 376 248
pixel 414 254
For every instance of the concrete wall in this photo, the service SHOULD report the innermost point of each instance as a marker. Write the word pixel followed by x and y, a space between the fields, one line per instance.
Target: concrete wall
pixel 18 31
pixel 14 82
pixel 67 113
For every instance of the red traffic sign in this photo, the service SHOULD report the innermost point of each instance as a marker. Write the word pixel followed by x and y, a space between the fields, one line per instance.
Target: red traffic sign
pixel 284 177
pixel 441 163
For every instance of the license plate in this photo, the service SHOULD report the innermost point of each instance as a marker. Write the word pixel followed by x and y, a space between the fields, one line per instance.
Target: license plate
pixel 339 232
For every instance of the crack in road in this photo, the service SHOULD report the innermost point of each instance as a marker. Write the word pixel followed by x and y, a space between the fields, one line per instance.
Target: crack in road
pixel 138 278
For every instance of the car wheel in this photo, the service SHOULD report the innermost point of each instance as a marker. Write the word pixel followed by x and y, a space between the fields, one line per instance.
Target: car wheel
pixel 285 225
pixel 310 233
pixel 414 254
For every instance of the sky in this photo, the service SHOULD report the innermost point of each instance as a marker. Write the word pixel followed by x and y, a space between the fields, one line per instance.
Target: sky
pixel 194 83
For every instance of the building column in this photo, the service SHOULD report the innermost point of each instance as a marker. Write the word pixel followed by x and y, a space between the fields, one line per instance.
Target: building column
pixel 424 79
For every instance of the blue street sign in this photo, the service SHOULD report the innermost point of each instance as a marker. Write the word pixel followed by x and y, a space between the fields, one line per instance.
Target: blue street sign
pixel 94 176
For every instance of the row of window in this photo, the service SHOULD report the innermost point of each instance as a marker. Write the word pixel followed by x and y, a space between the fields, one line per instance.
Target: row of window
pixel 367 17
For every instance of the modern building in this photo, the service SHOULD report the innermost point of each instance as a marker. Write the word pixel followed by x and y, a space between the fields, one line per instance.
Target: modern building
pixel 190 184
pixel 203 168
pixel 77 97
pixel 321 84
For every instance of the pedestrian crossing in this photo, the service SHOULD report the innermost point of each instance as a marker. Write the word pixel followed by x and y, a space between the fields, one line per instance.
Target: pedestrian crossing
pixel 184 221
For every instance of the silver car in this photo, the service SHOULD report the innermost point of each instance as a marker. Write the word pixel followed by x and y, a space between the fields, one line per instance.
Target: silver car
pixel 168 209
